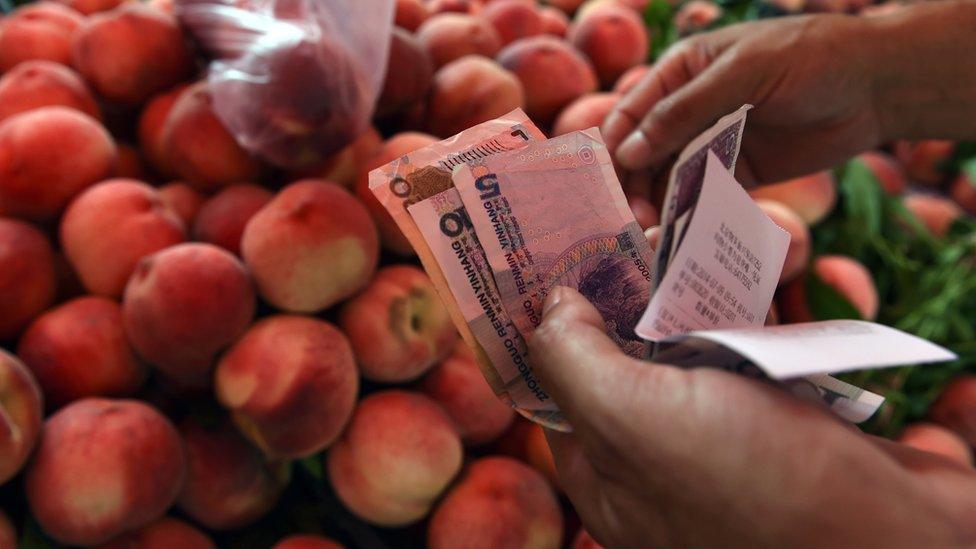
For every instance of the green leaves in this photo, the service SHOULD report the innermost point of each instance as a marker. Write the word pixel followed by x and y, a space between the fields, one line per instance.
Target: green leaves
pixel 926 286
pixel 658 17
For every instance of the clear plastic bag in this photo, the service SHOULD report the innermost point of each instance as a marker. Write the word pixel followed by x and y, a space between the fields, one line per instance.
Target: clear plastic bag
pixel 293 80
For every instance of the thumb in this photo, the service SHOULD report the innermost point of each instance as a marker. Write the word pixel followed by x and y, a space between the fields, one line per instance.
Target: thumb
pixel 577 363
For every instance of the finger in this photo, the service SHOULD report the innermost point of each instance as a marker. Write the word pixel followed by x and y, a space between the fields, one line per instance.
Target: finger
pixel 676 119
pixel 666 75
pixel 653 235
pixel 581 483
pixel 574 359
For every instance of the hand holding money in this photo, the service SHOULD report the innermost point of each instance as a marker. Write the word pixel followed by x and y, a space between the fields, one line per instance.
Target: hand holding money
pixel 657 451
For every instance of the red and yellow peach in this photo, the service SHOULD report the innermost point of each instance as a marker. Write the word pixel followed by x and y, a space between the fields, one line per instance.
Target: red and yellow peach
pixel 131 52
pixel 553 74
pixel 311 247
pixel 468 91
pixel 498 502
pixel 65 149
pixel 34 84
pixel 107 229
pixel 21 414
pixel 229 483
pixel 79 349
pixel 290 383
pixel 222 218
pixel 398 454
pixel 27 276
pixel 398 326
pixel 185 304
pixel 79 500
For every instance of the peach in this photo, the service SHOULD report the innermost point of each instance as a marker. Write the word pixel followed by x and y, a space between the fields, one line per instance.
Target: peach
pixel 614 38
pixel 468 91
pixel 306 542
pixel 8 534
pixel 39 31
pixel 316 103
pixel 554 21
pixel 65 149
pixel 409 74
pixel 107 229
pixel 845 275
pixel 923 160
pixel 454 6
pixel 344 167
pixel 552 72
pixel 513 19
pixel 185 304
pixel 852 280
pixel 103 467
pixel 229 483
pixel 78 350
pixel 811 196
pixel 963 191
pixel 34 84
pixel 458 386
pixel 311 247
pixel 798 254
pixel 184 200
pixel 568 7
pixel 696 16
pixel 165 533
pixel 27 276
pixel 410 14
pixel 88 7
pixel 398 454
pixel 222 218
pixel 130 53
pixel 886 170
pixel 21 413
pixel 587 111
pixel 198 148
pixel 395 147
pixel 936 439
pixel 128 163
pixel 451 36
pixel 630 78
pixel 584 540
pixel 526 442
pixel 644 212
pixel 152 120
pixel 398 326
pixel 937 213
pixel 290 383
pixel 956 407
pixel 498 502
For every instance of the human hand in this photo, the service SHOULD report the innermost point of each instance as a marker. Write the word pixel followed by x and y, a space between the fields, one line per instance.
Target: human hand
pixel 664 457
pixel 809 78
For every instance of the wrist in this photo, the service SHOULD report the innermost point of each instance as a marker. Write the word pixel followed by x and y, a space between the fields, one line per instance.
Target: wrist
pixel 922 78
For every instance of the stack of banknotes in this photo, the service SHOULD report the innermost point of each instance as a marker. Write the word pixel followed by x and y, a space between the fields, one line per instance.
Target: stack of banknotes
pixel 499 216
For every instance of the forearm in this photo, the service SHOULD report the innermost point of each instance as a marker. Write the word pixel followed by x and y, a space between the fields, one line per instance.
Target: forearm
pixel 925 72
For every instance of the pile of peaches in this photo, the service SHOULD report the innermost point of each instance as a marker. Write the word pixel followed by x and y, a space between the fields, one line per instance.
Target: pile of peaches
pixel 184 324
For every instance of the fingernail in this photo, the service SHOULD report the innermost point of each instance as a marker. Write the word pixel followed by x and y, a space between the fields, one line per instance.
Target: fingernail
pixel 552 299
pixel 634 152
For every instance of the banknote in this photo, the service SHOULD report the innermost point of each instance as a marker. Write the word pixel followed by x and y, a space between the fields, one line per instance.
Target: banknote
pixel 421 182
pixel 446 226
pixel 724 139
pixel 553 214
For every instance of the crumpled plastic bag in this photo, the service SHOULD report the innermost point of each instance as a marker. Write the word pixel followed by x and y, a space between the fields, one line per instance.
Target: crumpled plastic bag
pixel 293 80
